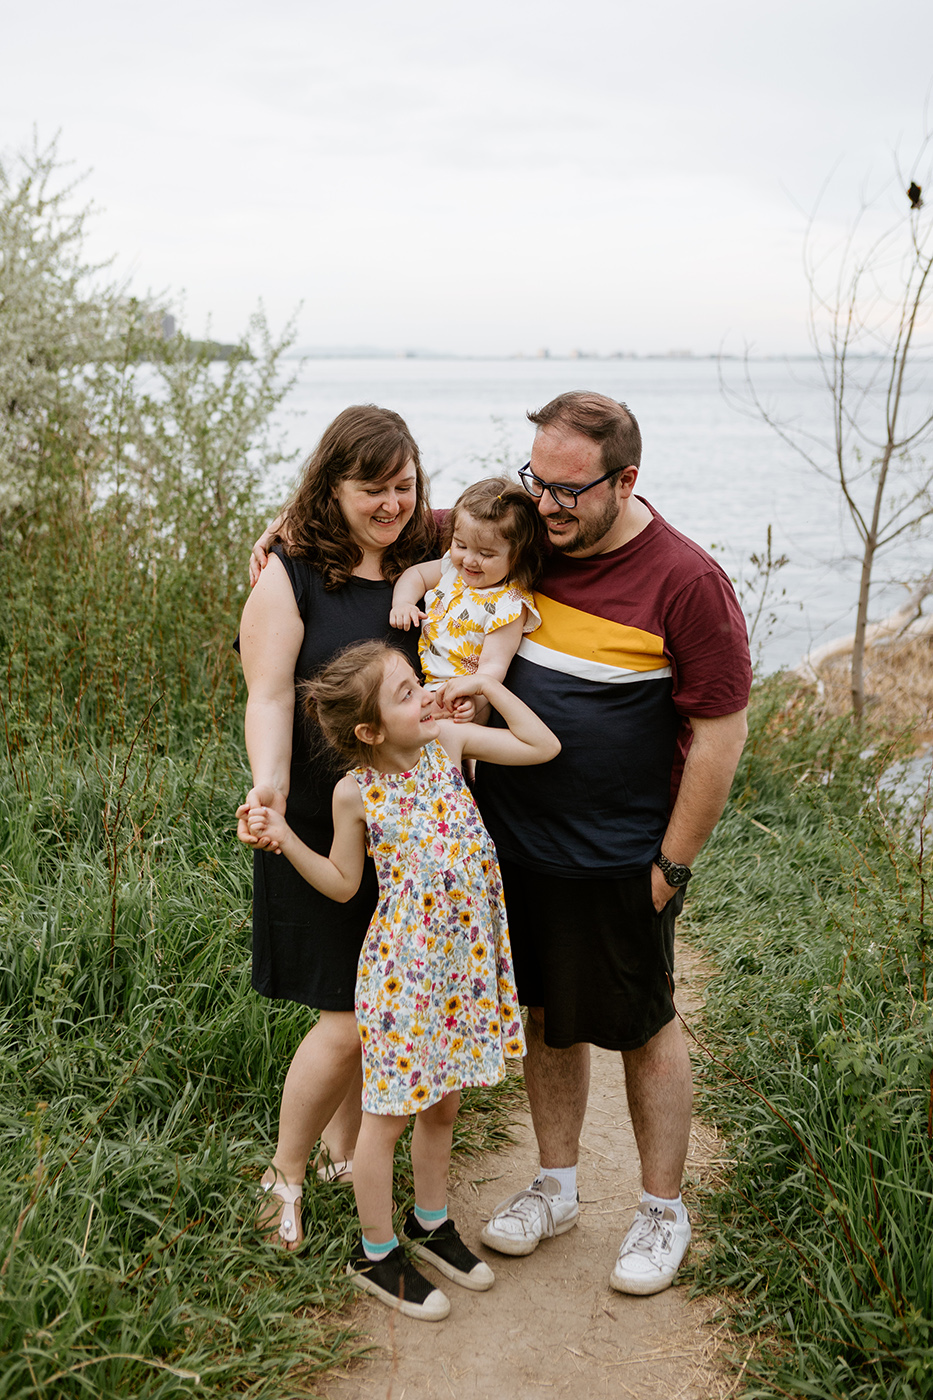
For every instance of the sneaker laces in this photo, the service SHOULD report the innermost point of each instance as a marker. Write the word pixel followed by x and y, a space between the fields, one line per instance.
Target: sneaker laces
pixel 649 1235
pixel 527 1207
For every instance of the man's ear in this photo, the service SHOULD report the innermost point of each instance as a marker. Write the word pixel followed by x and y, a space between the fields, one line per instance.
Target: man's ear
pixel 626 481
pixel 368 735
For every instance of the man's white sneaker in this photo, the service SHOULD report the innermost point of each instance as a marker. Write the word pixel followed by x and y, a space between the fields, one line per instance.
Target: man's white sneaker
pixel 518 1223
pixel 651 1252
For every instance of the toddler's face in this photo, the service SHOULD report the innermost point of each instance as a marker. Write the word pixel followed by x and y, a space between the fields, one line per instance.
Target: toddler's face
pixel 479 553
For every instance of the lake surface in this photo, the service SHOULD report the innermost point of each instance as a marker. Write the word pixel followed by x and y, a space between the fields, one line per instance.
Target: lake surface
pixel 717 474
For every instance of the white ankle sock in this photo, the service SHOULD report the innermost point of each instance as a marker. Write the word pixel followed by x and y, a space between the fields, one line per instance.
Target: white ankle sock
pixel 566 1178
pixel 676 1205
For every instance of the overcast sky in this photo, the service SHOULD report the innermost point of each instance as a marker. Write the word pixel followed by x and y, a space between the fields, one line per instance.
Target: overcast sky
pixel 483 177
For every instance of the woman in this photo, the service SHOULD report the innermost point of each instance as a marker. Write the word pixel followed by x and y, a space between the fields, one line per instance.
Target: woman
pixel 359 518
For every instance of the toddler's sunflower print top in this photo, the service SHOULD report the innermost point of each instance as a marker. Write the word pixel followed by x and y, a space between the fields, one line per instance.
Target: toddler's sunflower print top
pixel 436 1003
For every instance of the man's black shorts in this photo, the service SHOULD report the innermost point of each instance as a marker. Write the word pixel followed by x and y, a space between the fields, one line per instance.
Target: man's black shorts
pixel 594 953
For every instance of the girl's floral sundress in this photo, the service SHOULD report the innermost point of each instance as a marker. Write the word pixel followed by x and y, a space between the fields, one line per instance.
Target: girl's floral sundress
pixel 436 1003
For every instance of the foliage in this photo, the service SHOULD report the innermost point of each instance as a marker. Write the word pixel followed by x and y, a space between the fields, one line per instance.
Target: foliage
pixel 139 1078
pixel 819 1063
pixel 128 480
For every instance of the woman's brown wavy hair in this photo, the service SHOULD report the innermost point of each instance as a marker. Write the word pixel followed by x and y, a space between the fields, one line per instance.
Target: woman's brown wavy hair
pixel 364 443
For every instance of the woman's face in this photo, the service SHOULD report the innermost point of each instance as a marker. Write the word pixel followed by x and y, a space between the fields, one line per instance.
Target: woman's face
pixel 376 513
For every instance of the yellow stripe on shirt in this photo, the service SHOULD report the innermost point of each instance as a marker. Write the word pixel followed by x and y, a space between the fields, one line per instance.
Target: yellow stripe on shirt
pixel 597 642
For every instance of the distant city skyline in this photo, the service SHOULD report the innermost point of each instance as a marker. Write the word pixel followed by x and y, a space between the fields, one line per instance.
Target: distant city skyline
pixel 491 181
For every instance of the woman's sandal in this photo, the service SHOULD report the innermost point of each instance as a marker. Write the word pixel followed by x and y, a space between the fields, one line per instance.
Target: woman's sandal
pixel 335 1173
pixel 290 1196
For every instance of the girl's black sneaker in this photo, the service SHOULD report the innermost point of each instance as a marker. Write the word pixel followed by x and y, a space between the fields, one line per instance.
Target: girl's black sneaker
pixel 445 1249
pixel 398 1284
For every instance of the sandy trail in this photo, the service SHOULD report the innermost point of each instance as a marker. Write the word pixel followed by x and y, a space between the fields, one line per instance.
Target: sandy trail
pixel 551 1325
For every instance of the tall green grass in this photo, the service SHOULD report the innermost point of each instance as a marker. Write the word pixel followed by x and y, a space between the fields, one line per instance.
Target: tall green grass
pixel 139 1100
pixel 815 906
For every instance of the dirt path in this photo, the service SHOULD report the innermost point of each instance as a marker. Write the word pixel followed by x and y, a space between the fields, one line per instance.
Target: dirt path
pixel 551 1326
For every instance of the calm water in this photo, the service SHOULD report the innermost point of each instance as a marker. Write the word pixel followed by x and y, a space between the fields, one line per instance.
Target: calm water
pixel 720 476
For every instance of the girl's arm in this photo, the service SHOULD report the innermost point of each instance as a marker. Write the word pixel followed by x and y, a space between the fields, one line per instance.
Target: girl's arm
pixel 271 633
pixel 338 875
pixel 412 586
pixel 527 739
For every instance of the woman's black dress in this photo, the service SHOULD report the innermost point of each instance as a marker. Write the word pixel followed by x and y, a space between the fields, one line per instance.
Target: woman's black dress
pixel 305 946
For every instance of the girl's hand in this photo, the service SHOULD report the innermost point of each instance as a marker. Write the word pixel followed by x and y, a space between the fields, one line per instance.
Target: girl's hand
pixel 255 798
pixel 269 828
pixel 456 698
pixel 406 615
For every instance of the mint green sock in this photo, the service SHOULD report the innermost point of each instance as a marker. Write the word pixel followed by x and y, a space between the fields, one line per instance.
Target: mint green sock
pixel 430 1219
pixel 375 1252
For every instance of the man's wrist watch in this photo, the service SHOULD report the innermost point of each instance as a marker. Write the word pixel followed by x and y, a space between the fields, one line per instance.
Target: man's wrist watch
pixel 675 875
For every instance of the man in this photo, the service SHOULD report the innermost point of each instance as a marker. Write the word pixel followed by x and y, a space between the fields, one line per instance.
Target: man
pixel 641 668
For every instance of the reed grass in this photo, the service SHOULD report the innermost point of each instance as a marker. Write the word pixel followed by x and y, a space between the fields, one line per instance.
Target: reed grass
pixel 140 1090
pixel 818 1063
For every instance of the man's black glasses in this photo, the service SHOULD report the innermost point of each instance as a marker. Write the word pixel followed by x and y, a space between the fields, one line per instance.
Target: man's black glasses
pixel 565 496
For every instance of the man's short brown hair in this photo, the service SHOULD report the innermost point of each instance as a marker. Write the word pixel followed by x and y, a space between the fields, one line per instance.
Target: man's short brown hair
pixel 607 422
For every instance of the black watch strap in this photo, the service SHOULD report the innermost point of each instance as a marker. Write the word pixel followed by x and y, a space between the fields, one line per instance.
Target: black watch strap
pixel 675 875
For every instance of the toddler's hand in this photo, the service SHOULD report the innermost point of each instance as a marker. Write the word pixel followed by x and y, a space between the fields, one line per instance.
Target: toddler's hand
pixel 406 615
pixel 456 698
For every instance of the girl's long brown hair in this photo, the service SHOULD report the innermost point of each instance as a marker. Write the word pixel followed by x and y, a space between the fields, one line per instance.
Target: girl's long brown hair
pixel 346 693
pixel 364 443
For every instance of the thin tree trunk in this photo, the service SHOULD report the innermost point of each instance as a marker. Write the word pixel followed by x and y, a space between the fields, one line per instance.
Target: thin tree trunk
pixel 861 623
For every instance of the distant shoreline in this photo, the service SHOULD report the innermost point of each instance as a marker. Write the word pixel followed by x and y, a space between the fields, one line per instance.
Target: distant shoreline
pixel 542 357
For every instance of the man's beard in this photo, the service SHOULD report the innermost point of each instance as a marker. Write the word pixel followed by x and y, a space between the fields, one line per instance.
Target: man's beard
pixel 589 532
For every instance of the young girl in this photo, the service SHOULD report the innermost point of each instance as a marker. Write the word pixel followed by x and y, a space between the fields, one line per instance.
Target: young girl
pixel 477 598
pixel 435 999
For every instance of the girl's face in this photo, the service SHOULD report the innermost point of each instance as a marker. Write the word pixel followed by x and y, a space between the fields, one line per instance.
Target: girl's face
pixel 479 552
pixel 404 708
pixel 376 512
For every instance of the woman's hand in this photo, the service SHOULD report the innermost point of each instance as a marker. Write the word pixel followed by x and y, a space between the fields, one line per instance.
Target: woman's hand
pixel 406 615
pixel 257 797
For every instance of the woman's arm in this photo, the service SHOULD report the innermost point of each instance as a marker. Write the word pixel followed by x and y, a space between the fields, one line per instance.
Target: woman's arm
pixel 271 634
pixel 527 739
pixel 338 875
pixel 413 585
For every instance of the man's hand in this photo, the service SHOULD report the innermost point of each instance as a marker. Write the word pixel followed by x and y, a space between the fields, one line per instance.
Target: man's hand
pixel 259 554
pixel 661 891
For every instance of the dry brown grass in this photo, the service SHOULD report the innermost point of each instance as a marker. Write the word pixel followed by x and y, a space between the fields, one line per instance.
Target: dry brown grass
pixel 898 684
